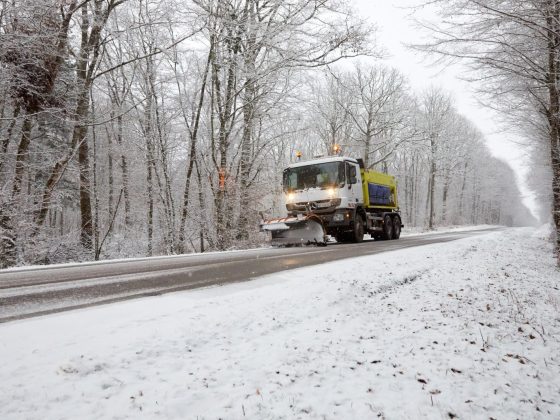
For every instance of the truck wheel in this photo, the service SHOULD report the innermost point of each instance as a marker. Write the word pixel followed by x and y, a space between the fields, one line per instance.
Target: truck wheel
pixel 396 227
pixel 341 238
pixel 358 232
pixel 387 228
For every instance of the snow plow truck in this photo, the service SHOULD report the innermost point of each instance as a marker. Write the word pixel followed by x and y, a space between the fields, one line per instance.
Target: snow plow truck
pixel 335 196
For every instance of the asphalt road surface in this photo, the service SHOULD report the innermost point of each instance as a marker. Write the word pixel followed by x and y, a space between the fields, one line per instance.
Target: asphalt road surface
pixel 32 292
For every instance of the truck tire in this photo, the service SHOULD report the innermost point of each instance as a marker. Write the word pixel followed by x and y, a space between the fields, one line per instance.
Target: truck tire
pixel 396 227
pixel 341 237
pixel 358 232
pixel 387 228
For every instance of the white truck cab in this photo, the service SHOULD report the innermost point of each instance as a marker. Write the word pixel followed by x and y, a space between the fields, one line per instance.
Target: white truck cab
pixel 323 185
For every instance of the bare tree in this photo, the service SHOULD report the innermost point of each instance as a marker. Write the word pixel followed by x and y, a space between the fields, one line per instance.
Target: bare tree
pixel 436 106
pixel 513 47
pixel 31 70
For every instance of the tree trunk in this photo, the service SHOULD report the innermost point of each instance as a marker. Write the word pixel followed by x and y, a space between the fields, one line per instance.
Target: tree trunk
pixel 202 207
pixel 246 147
pixel 110 175
pixel 192 152
pixel 225 115
pixel 474 206
pixel 414 207
pixel 150 212
pixel 149 168
pixel 428 201
pixel 6 140
pixel 462 196
pixel 367 145
pixel 80 135
pixel 96 227
pixel 86 233
pixel 21 158
pixel 432 187
pixel 124 170
pixel 444 201
pixel 554 116
pixel 8 242
pixel 165 186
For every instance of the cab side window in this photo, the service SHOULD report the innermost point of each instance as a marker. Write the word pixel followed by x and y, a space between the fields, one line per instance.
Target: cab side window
pixel 351 174
pixel 353 179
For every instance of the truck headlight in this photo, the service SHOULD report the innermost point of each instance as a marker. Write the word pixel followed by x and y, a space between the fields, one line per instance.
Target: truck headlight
pixel 290 197
pixel 338 217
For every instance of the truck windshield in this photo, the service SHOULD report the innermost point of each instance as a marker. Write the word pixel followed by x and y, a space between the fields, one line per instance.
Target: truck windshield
pixel 321 175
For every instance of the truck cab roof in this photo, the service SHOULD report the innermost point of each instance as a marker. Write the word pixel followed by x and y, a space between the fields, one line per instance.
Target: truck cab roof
pixel 326 159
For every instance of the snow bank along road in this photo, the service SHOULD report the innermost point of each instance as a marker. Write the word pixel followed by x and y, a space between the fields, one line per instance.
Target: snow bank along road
pixel 38 291
pixel 468 329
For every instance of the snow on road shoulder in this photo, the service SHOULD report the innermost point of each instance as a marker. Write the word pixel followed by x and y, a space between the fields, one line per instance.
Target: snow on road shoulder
pixel 469 329
pixel 417 231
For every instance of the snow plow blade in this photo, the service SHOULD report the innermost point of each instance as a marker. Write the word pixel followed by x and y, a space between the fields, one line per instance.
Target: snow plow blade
pixel 294 231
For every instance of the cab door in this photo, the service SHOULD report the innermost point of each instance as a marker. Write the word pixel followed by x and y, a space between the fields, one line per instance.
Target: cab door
pixel 353 185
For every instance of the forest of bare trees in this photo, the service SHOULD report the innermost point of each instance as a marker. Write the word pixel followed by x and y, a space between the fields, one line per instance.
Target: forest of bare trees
pixel 150 127
pixel 512 48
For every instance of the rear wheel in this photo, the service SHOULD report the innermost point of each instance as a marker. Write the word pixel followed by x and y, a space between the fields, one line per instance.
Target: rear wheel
pixel 358 232
pixel 387 227
pixel 396 227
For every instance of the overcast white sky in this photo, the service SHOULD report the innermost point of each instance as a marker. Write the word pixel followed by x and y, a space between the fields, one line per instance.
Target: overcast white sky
pixel 397 29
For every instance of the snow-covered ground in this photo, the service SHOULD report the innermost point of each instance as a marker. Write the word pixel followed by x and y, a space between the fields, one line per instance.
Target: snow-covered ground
pixel 469 328
pixel 405 233
pixel 415 231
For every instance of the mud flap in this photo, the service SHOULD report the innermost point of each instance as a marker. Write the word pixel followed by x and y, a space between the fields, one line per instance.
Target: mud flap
pixel 293 231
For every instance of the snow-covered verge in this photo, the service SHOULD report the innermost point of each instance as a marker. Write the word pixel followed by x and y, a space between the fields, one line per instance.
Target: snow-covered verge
pixel 415 231
pixel 423 231
pixel 405 233
pixel 469 328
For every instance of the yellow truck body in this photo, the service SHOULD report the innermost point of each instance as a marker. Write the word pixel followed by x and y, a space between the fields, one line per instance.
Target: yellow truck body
pixel 386 185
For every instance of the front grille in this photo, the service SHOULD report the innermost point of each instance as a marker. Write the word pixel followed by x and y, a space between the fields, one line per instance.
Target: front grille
pixel 316 205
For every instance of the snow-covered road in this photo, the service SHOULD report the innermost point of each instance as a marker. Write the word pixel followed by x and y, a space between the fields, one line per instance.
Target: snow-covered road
pixel 469 328
pixel 27 292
